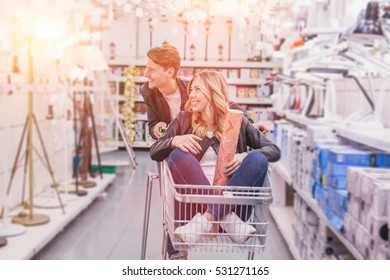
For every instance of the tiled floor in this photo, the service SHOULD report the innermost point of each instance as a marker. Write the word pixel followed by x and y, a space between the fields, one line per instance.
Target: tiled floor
pixel 111 228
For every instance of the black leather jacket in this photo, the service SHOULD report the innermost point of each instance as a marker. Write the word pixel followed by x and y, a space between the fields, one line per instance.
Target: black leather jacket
pixel 158 108
pixel 249 136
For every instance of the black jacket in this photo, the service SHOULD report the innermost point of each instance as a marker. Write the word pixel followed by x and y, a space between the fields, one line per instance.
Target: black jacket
pixel 249 136
pixel 158 108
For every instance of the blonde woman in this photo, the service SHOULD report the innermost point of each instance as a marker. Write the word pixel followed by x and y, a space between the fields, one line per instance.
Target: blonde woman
pixel 191 144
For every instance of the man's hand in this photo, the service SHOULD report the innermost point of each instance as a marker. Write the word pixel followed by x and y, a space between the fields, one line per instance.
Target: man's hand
pixel 187 143
pixel 232 166
pixel 156 128
pixel 261 127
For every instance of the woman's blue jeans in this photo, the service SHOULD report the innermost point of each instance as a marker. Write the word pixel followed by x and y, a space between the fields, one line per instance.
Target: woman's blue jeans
pixel 186 169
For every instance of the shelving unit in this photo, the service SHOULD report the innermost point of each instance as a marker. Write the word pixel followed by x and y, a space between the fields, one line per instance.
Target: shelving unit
pixel 242 77
pixel 377 138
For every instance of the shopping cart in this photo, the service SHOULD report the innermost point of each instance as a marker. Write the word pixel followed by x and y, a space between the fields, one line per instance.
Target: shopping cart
pixel 182 202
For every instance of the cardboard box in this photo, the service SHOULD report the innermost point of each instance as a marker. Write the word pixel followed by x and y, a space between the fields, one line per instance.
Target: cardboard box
pixel 362 240
pixel 378 228
pixel 350 156
pixel 349 228
pixel 355 205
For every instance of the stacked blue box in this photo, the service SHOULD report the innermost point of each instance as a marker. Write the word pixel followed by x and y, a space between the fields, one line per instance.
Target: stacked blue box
pixel 323 199
pixel 337 182
pixel 337 202
pixel 319 167
pixel 350 156
pixel 382 159
pixel 340 158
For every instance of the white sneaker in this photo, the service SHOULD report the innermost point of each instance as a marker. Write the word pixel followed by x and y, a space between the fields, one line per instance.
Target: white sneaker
pixel 239 231
pixel 193 231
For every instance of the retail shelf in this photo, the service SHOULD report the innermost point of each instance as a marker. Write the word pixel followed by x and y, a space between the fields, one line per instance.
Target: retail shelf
pixel 141 144
pixel 137 79
pixel 278 63
pixel 316 208
pixel 303 120
pixel 376 138
pixel 255 101
pixel 284 217
pixel 141 117
pixel 107 149
pixel 139 98
pixel 255 82
pixel 137 144
pixel 25 246
pixel 283 172
pixel 113 162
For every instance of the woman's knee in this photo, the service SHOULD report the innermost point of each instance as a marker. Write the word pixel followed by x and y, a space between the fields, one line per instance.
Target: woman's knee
pixel 178 157
pixel 256 160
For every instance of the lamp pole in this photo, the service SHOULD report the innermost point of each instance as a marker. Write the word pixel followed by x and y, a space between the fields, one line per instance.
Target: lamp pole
pixel 32 219
pixel 185 23
pixel 207 26
pixel 230 30
pixel 7 229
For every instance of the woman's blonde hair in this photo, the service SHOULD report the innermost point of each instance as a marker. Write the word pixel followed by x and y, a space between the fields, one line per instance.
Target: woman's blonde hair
pixel 214 87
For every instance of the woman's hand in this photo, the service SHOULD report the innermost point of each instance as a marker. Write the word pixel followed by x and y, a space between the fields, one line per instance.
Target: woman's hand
pixel 232 166
pixel 187 143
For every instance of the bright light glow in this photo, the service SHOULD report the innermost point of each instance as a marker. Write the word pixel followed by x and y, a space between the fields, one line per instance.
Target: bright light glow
pixel 96 36
pixel 139 12
pixel 135 2
pixel 47 30
pixel 194 32
pixel 6 45
pixel 2 32
pixel 85 36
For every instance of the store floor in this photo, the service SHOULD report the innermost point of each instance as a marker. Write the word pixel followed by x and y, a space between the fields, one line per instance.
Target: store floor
pixel 111 228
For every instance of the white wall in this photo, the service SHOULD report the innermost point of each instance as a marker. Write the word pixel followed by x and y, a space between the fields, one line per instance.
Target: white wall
pixel 123 34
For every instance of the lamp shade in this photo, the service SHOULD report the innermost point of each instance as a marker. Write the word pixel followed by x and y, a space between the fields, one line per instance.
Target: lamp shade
pixel 370 25
pixel 90 57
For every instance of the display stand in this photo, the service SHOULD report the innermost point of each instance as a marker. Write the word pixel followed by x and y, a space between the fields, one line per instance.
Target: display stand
pixel 77 191
pixel 31 218
pixel 6 228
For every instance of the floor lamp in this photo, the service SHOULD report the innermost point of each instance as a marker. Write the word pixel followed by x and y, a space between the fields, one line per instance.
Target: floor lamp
pixel 7 229
pixel 32 219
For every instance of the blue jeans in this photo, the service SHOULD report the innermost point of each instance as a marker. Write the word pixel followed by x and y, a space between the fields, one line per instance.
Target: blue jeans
pixel 186 169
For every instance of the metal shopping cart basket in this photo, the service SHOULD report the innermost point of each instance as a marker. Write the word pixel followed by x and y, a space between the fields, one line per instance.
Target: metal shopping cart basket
pixel 182 202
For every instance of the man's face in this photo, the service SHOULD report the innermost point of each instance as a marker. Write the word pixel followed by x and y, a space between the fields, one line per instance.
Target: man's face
pixel 157 76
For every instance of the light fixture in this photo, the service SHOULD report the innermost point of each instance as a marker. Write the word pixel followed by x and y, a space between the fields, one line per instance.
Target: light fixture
pixel 15 66
pixel 207 26
pixel 370 25
pixel 185 26
pixel 369 28
pixel 229 23
pixel 220 52
pixel 112 50
pixel 192 52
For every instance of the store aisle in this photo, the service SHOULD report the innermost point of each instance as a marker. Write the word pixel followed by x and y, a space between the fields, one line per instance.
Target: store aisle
pixel 111 228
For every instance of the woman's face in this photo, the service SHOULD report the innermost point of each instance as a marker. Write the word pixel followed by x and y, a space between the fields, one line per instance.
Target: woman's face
pixel 198 100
